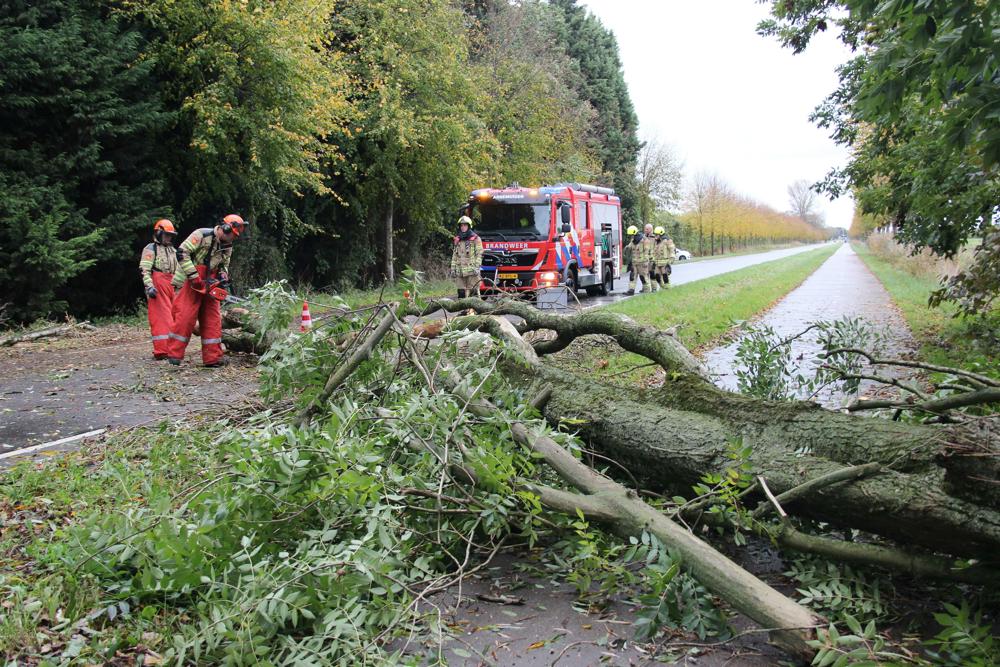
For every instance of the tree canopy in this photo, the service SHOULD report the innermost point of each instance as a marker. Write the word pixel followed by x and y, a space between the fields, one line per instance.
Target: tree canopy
pixel 919 106
pixel 80 123
pixel 348 131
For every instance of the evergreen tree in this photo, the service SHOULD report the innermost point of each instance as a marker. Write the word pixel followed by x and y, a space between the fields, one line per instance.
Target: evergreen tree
pixel 78 113
pixel 596 51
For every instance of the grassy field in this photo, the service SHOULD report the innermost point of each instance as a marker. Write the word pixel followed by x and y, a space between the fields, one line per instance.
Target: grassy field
pixel 704 311
pixel 944 339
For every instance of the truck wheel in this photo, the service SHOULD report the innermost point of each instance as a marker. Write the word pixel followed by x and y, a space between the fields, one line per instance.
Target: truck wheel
pixel 604 288
pixel 609 282
pixel 571 283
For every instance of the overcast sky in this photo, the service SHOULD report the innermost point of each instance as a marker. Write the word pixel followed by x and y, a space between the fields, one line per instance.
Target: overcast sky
pixel 728 100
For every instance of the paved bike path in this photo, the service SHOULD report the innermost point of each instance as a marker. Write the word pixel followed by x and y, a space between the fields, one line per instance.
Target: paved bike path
pixel 841 287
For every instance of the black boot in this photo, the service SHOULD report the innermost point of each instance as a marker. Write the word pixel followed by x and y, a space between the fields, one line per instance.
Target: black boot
pixel 461 294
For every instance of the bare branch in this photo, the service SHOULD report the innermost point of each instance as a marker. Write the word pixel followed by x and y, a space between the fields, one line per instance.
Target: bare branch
pixel 982 379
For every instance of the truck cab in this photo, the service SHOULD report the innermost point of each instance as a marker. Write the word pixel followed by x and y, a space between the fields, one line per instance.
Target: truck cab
pixel 565 234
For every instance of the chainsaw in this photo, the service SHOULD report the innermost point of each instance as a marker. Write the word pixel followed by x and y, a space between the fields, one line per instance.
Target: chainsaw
pixel 217 290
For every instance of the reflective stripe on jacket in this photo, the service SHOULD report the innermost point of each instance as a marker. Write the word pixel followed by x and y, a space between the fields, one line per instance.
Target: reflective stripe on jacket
pixel 157 257
pixel 467 256
pixel 202 248
pixel 664 252
pixel 643 253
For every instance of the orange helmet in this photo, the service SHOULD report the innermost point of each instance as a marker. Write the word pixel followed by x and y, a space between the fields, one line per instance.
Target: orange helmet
pixel 164 225
pixel 234 223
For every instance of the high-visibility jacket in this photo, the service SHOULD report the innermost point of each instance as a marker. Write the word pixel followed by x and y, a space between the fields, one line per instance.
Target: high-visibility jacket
pixel 467 255
pixel 643 253
pixel 664 253
pixel 157 266
pixel 201 248
pixel 161 257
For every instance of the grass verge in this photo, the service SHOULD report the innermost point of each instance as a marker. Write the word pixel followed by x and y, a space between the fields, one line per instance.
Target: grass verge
pixel 40 503
pixel 753 250
pixel 973 344
pixel 703 312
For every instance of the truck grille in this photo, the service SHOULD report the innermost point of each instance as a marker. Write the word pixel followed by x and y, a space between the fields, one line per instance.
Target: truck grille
pixel 517 258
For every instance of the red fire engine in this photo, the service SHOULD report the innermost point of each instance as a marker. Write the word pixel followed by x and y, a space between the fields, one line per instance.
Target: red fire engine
pixel 565 234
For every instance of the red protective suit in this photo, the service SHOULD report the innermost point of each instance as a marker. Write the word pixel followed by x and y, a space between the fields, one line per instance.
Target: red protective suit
pixel 161 315
pixel 190 307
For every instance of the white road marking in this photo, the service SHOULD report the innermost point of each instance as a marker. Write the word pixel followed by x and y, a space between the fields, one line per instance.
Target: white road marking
pixel 54 443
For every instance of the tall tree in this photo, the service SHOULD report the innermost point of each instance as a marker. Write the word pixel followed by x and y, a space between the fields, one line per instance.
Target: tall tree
pixel 715 213
pixel 79 114
pixel 418 142
pixel 532 95
pixel 919 107
pixel 257 90
pixel 802 199
pixel 595 49
pixel 658 178
pixel 705 199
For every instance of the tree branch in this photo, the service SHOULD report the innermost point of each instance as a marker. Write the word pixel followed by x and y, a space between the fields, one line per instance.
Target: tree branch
pixel 936 405
pixel 981 379
pixel 919 565
pixel 344 370
pixel 655 345
pixel 807 488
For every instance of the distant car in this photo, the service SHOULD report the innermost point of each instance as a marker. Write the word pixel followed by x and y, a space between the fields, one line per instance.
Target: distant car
pixel 681 255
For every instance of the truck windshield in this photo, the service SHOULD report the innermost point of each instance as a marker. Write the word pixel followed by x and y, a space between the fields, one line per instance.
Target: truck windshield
pixel 513 220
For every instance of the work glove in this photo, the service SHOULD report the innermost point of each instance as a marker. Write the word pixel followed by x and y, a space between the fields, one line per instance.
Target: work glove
pixel 223 280
pixel 151 292
pixel 198 284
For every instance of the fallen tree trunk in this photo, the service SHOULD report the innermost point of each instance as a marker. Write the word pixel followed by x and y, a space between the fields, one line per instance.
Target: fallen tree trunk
pixel 671 437
pixel 791 625
pixel 880 476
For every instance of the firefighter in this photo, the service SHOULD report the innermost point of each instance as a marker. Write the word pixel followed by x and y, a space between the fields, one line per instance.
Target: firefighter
pixel 466 258
pixel 642 257
pixel 202 261
pixel 632 239
pixel 157 265
pixel 663 256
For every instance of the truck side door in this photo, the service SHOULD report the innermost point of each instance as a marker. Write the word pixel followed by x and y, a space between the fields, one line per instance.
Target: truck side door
pixel 589 255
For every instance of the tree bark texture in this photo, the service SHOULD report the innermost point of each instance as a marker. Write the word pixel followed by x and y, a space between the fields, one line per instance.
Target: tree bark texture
pixel 390 272
pixel 670 437
pixel 926 491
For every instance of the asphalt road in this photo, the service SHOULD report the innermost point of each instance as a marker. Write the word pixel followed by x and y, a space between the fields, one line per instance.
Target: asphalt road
pixel 54 389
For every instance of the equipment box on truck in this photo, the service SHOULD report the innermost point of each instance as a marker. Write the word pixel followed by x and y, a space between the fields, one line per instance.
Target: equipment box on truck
pixel 566 234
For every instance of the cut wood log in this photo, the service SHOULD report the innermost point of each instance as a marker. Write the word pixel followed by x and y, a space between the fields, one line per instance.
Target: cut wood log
pixel 48 332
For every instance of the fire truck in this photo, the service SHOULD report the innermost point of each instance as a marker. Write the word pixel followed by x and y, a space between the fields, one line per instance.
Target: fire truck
pixel 565 234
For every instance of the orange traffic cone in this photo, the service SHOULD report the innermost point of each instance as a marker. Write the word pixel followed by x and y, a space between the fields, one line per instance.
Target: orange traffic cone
pixel 307 320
